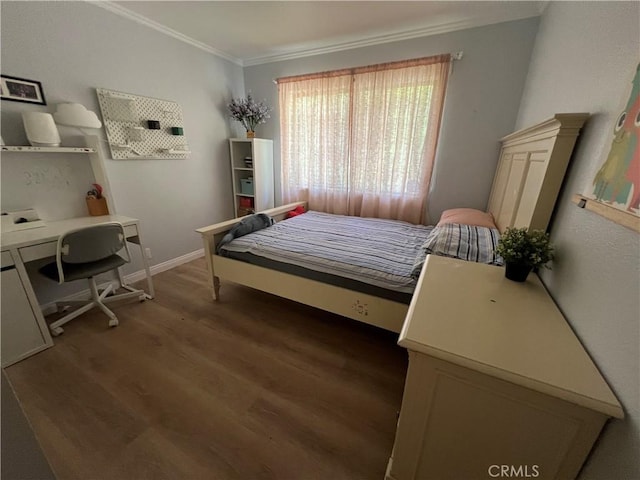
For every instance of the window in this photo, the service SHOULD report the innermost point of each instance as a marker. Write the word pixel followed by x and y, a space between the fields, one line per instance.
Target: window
pixel 362 141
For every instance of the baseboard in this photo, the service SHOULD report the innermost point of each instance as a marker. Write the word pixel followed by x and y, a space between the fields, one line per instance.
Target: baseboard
pixel 49 308
pixel 164 266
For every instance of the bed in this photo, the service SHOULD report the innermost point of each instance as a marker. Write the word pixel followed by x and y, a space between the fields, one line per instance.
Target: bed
pixel 368 255
pixel 527 180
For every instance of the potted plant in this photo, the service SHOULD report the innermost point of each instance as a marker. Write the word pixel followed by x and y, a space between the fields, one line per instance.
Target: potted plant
pixel 249 113
pixel 524 250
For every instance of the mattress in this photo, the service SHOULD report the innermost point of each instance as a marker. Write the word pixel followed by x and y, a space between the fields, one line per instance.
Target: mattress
pixel 369 255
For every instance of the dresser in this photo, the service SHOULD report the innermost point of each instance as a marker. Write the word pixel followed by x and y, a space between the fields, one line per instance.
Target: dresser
pixel 498 385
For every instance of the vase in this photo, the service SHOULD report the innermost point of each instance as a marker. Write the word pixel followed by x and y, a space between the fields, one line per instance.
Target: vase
pixel 517 271
pixel 251 134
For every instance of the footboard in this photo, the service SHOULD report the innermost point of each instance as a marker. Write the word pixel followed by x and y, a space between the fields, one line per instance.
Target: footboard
pixel 359 306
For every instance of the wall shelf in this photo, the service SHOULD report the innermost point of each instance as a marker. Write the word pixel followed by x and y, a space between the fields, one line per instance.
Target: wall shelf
pixel 143 126
pixel 29 149
pixel 172 151
pixel 626 219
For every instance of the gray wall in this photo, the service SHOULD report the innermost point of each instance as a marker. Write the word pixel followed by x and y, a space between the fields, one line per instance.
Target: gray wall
pixel 74 47
pixel 481 105
pixel 584 61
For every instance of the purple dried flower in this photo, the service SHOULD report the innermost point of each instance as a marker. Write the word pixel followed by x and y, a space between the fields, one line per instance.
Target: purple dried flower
pixel 249 112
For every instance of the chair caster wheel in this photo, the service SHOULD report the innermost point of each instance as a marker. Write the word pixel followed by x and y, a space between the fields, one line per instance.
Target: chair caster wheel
pixel 113 323
pixel 57 331
pixel 142 298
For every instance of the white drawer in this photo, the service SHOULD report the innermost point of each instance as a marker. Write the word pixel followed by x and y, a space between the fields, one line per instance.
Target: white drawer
pixel 7 260
pixel 34 252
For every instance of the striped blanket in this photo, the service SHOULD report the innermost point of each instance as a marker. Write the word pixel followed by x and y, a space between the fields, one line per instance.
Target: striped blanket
pixel 374 251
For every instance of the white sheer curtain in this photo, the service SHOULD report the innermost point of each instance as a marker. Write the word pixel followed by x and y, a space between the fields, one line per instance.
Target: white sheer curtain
pixel 362 141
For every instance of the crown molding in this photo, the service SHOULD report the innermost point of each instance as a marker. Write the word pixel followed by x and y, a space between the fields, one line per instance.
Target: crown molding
pixel 126 13
pixel 319 50
pixel 381 39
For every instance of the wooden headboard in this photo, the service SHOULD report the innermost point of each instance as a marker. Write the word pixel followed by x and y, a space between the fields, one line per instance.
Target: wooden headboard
pixel 530 171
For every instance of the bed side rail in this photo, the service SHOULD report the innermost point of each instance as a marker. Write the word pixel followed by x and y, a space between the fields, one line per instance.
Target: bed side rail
pixel 213 234
pixel 276 213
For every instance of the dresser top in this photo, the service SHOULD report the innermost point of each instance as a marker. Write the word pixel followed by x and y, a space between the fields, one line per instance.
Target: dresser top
pixel 469 314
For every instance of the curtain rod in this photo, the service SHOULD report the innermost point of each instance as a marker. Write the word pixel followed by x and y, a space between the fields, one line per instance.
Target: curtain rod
pixel 454 56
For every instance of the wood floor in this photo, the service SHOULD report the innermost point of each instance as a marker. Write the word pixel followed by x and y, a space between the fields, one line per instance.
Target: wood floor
pixel 251 387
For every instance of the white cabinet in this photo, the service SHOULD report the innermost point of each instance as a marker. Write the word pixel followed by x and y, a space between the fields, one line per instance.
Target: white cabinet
pixel 23 329
pixel 497 379
pixel 251 174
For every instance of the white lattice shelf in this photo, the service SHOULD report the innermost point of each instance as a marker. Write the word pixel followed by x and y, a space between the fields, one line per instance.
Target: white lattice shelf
pixel 140 127
pixel 29 149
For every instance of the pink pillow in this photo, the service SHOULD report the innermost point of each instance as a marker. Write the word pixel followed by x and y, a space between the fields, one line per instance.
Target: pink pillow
pixel 467 216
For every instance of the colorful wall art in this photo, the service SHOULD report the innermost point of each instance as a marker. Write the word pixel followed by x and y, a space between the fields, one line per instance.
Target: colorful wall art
pixel 617 182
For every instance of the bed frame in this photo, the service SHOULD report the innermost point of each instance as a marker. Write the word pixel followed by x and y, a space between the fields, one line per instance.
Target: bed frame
pixel 528 178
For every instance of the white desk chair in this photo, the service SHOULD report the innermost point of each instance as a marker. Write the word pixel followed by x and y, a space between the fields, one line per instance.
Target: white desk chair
pixel 86 252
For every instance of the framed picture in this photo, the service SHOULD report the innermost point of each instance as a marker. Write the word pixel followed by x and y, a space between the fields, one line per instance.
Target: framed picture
pixel 21 90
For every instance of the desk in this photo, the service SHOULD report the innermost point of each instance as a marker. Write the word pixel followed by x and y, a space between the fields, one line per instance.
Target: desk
pixel 24 330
